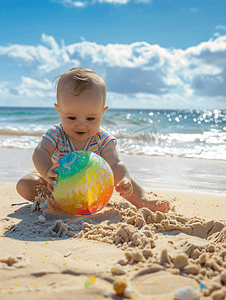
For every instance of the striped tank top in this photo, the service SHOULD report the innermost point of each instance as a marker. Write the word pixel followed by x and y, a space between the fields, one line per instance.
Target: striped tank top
pixel 64 145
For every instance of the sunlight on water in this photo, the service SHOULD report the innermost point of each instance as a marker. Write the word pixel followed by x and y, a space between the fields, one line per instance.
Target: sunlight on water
pixel 170 133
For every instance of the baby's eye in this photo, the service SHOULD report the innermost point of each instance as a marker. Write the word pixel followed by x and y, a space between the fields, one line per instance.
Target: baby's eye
pixel 72 118
pixel 90 119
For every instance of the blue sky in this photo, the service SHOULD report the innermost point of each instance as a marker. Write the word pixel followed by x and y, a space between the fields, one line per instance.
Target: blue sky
pixel 151 53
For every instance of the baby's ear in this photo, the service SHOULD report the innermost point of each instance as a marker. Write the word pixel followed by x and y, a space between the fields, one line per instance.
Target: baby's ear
pixel 105 109
pixel 57 108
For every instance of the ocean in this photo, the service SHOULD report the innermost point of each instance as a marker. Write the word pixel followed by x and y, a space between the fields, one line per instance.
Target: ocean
pixel 199 134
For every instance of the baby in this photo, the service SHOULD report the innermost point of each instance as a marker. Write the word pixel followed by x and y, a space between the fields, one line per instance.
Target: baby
pixel 81 95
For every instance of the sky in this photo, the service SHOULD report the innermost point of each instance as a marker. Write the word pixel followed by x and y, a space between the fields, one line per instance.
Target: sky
pixel 158 54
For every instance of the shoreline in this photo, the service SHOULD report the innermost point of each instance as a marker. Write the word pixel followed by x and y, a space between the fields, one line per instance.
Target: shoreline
pixel 151 172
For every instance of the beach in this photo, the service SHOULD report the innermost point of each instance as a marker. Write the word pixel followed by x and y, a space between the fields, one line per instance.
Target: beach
pixel 153 255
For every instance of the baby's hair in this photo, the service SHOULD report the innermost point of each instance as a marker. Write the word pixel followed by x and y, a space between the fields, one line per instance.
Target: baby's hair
pixel 82 79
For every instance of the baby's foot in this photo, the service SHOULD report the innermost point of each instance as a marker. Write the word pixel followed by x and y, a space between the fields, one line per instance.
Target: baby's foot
pixel 156 205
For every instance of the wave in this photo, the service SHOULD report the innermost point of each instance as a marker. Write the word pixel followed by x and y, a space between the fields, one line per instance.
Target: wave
pixel 212 136
pixel 210 152
pixel 208 137
pixel 13 131
pixel 198 152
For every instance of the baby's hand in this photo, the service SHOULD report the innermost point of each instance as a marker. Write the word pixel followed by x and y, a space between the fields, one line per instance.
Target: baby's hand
pixel 50 177
pixel 124 188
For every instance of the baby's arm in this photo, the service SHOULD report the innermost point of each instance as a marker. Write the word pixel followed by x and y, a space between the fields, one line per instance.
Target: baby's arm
pixel 42 160
pixel 122 179
pixel 126 186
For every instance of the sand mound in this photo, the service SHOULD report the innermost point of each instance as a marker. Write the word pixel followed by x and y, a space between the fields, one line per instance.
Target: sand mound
pixel 162 252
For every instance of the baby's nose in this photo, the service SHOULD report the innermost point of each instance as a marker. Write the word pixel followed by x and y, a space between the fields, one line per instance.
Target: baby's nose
pixel 80 123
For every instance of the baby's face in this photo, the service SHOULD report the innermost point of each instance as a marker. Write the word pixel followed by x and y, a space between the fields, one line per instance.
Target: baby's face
pixel 81 115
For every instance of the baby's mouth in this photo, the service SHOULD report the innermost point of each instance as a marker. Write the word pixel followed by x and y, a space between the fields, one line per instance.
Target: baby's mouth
pixel 80 132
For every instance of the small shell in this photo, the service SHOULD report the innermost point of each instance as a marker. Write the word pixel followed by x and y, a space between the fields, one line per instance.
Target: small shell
pixel 186 293
pixel 117 271
pixel 41 219
pixel 128 292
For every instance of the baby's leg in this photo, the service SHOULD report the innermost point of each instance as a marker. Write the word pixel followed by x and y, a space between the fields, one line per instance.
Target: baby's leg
pixel 140 198
pixel 32 185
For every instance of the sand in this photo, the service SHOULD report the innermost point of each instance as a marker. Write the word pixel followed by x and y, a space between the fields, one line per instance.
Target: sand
pixel 155 256
pixel 149 171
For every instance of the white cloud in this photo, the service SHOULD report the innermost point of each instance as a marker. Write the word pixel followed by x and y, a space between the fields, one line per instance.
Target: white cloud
pixel 49 40
pixel 216 34
pixel 143 1
pixel 29 92
pixel 28 87
pixel 139 67
pixel 33 88
pixel 206 67
pixel 85 3
pixel 44 58
pixel 114 1
pixel 221 27
pixel 140 72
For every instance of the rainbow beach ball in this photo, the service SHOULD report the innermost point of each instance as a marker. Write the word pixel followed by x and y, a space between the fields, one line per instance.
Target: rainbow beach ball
pixel 85 183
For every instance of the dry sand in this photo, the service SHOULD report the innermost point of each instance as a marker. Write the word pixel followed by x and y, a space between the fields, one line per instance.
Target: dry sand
pixel 153 254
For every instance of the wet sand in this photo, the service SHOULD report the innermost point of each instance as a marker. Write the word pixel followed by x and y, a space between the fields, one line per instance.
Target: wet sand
pixel 150 172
